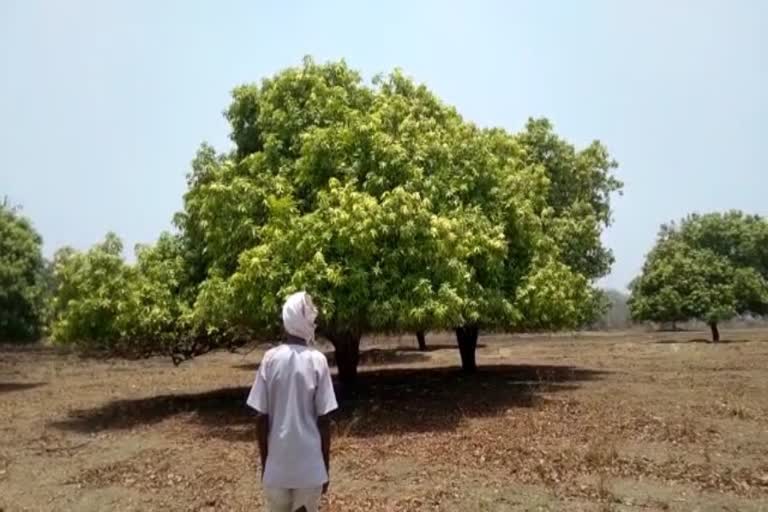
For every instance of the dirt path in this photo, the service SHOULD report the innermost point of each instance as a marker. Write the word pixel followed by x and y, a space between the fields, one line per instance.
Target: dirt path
pixel 620 422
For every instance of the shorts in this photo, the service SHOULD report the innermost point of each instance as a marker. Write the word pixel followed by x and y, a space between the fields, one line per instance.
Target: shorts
pixel 291 500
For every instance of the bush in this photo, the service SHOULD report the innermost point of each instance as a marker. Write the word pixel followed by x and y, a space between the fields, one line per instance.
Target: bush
pixel 22 277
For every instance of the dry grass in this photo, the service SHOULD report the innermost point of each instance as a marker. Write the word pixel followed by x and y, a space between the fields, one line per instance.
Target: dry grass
pixel 589 422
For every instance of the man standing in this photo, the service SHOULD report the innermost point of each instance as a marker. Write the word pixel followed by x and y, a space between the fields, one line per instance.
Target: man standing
pixel 293 395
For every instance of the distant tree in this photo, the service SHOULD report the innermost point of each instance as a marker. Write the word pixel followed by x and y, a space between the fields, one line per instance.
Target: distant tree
pixel 90 288
pixel 616 314
pixel 735 235
pixel 709 268
pixel 155 314
pixel 22 279
pixel 104 304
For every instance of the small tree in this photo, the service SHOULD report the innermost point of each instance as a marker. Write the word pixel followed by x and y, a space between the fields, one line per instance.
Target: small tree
pixel 90 288
pixel 104 304
pixel 155 315
pixel 22 280
pixel 691 274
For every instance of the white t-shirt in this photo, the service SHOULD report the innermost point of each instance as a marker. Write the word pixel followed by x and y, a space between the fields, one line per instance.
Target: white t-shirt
pixel 293 387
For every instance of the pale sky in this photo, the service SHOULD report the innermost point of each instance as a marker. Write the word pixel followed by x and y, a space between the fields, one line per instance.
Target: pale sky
pixel 103 103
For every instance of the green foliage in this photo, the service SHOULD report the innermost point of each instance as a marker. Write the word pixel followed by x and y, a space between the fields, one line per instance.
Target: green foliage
pixel 390 209
pixel 741 238
pixel 554 297
pixel 581 183
pixel 271 118
pixel 104 304
pixel 394 212
pixel 708 268
pixel 153 315
pixel 226 206
pixel 22 277
pixel 373 264
pixel 90 288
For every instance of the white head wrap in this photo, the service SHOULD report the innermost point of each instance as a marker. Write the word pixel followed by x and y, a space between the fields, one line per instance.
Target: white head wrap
pixel 299 316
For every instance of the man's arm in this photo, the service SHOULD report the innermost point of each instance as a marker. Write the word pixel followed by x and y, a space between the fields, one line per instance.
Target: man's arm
pixel 324 426
pixel 262 437
pixel 258 399
pixel 325 403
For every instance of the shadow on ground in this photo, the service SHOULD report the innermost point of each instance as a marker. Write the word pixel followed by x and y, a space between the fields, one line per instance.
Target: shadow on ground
pixel 7 387
pixel 432 348
pixel 377 356
pixel 391 401
pixel 699 340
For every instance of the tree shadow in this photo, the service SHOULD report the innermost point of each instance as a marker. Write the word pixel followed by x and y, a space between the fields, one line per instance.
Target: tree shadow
pixel 699 340
pixel 411 400
pixel 7 387
pixel 387 401
pixel 368 357
pixel 433 348
pixel 382 357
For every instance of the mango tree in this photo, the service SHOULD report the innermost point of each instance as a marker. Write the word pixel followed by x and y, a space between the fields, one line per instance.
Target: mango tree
pixel 394 212
pixel 104 304
pixel 22 281
pixel 90 288
pixel 709 267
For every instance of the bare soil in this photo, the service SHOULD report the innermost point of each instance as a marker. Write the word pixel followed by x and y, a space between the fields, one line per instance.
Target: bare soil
pixel 594 422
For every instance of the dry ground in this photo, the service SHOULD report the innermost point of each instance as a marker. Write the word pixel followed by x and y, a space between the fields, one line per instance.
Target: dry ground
pixel 623 422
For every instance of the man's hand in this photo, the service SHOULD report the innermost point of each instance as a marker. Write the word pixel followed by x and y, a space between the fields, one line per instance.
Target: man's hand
pixel 324 426
pixel 262 436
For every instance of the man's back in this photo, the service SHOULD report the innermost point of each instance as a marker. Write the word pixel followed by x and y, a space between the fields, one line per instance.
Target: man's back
pixel 293 388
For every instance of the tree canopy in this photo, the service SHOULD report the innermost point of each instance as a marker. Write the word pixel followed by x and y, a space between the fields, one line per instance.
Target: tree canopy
pixel 393 211
pixel 22 282
pixel 90 287
pixel 103 303
pixel 709 267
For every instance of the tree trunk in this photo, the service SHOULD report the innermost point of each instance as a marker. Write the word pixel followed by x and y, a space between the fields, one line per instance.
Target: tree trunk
pixel 421 338
pixel 715 332
pixel 347 348
pixel 466 336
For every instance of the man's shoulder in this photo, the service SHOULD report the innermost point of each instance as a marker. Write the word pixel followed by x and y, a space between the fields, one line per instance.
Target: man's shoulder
pixel 272 353
pixel 316 355
pixel 285 350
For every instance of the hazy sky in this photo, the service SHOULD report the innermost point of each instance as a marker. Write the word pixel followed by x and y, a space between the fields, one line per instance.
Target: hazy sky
pixel 103 103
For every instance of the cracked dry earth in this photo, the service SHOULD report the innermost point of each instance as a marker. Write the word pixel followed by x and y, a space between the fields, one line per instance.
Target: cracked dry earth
pixel 600 422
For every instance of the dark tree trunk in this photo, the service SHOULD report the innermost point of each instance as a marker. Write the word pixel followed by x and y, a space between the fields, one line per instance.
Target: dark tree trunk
pixel 715 332
pixel 466 336
pixel 347 348
pixel 421 338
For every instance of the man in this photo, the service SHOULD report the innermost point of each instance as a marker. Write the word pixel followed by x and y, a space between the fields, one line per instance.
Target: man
pixel 293 395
